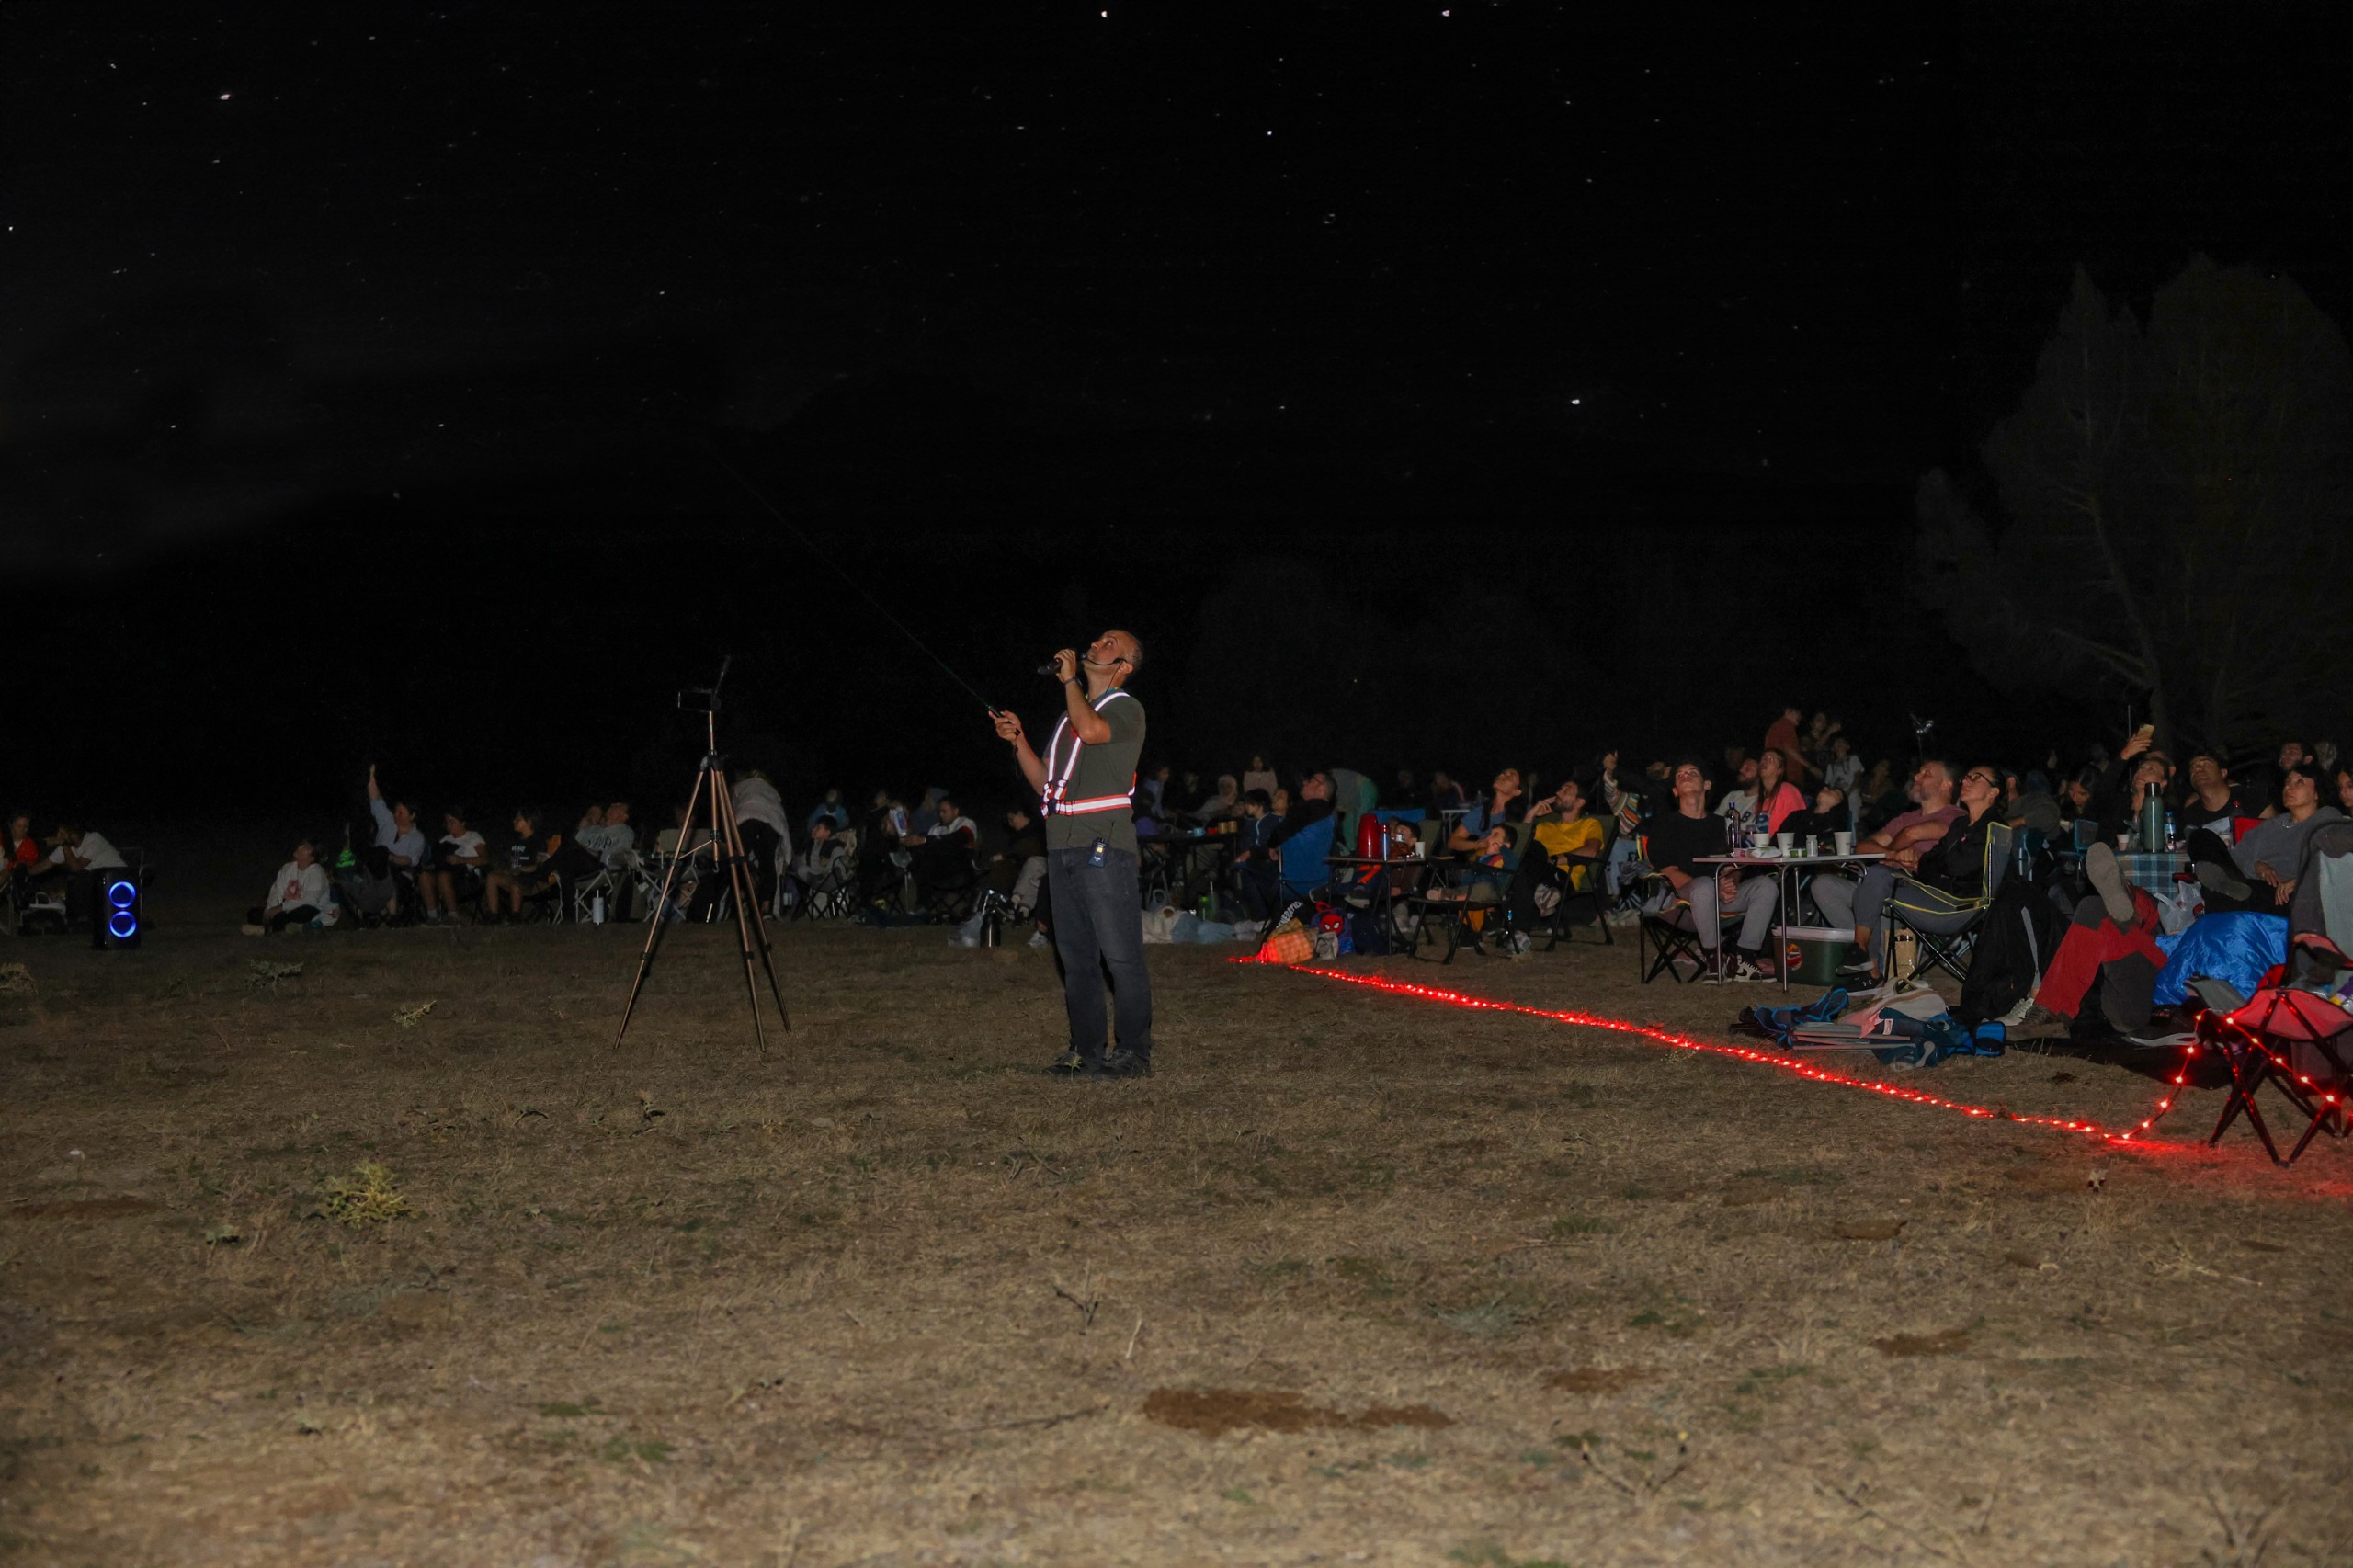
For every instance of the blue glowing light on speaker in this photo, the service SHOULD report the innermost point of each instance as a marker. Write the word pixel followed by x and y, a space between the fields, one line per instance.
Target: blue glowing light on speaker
pixel 122 895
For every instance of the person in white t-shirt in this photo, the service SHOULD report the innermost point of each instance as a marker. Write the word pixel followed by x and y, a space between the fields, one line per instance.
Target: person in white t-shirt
pixel 78 858
pixel 84 849
pixel 298 896
pixel 459 858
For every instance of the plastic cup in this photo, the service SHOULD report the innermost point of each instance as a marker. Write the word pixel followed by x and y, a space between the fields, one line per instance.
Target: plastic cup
pixel 1784 841
pixel 1845 842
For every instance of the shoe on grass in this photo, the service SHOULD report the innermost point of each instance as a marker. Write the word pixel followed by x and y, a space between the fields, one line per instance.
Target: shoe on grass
pixel 2107 877
pixel 2039 1022
pixel 250 930
pixel 1076 1064
pixel 1125 1063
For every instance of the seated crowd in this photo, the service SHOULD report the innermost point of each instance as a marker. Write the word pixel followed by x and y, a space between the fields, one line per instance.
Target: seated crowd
pixel 1604 842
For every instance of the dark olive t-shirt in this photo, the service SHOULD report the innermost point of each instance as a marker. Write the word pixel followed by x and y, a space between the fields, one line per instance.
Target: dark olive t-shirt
pixel 1102 770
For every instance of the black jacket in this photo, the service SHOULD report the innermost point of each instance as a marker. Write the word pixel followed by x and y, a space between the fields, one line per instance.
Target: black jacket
pixel 1956 863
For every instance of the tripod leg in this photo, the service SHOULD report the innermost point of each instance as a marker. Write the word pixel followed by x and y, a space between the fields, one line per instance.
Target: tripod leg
pixel 662 909
pixel 740 885
pixel 760 932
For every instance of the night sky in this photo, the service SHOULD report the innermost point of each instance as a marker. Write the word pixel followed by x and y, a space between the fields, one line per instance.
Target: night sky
pixel 1452 384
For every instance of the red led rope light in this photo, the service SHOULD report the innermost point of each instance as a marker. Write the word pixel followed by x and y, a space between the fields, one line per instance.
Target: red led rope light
pixel 1787 1064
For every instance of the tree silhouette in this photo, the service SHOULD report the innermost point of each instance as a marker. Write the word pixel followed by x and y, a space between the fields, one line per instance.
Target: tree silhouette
pixel 2173 506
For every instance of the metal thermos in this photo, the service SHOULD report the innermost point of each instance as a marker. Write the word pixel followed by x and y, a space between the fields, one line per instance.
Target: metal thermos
pixel 1369 836
pixel 2152 823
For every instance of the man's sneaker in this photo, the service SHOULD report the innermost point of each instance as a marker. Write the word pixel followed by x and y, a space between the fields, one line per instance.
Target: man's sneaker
pixel 2215 877
pixel 1516 944
pixel 1125 1063
pixel 1040 939
pixel 2038 1023
pixel 1075 1064
pixel 1744 970
pixel 1857 970
pixel 2107 877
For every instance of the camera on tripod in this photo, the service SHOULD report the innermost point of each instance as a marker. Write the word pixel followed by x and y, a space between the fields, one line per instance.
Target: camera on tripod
pixel 705 699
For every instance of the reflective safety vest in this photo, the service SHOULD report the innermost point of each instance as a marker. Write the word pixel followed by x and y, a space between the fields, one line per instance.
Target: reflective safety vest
pixel 1061 762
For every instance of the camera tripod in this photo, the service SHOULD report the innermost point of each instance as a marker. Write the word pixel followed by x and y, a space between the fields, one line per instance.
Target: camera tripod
pixel 726 846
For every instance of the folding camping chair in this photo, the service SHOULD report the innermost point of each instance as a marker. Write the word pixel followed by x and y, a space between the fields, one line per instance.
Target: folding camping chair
pixel 833 896
pixel 1949 950
pixel 2296 1041
pixel 2295 1033
pixel 1441 905
pixel 1594 894
pixel 1665 941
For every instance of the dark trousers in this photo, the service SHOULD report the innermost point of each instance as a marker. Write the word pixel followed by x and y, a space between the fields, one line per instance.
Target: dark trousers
pixel 761 842
pixel 300 915
pixel 1098 927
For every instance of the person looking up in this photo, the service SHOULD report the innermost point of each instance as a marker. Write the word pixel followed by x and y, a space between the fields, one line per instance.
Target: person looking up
pixel 1503 804
pixel 831 809
pixel 457 864
pixel 1086 783
pixel 2212 802
pixel 2291 753
pixel 1696 896
pixel 610 836
pixel 1937 882
pixel 1763 804
pixel 1823 820
pixel 400 850
pixel 1902 841
pixel 526 871
pixel 298 896
pixel 2260 872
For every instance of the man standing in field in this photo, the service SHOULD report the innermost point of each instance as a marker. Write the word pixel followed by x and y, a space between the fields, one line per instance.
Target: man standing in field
pixel 1085 781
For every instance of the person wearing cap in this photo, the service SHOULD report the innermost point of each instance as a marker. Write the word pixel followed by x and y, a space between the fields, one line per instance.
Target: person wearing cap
pixel 1086 782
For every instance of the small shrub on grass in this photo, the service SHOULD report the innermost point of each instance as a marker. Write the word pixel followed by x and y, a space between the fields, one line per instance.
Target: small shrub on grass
pixel 365 1197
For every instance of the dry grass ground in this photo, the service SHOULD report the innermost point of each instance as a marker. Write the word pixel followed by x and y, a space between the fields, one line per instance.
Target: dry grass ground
pixel 1356 1279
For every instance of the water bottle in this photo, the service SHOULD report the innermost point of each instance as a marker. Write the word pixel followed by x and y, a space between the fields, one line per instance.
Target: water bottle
pixel 597 910
pixel 2170 839
pixel 2152 823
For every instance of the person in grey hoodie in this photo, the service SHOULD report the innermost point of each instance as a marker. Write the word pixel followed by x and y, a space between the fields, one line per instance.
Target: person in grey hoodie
pixel 2259 872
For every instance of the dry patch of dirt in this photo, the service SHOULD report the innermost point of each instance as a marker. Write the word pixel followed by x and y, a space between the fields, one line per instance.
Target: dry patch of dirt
pixel 286 1282
pixel 1215 1412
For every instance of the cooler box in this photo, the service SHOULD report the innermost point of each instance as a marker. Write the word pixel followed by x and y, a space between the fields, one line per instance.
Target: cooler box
pixel 1813 953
